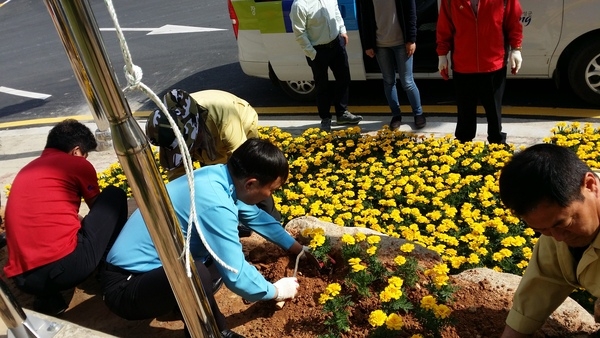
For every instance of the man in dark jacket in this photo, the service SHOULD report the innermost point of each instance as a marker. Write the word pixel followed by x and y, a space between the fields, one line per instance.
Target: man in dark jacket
pixel 389 32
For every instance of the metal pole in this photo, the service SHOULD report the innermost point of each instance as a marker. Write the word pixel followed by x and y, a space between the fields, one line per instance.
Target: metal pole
pixel 17 322
pixel 79 33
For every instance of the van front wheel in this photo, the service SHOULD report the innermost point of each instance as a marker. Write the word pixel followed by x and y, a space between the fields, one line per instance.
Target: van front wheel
pixel 299 90
pixel 584 73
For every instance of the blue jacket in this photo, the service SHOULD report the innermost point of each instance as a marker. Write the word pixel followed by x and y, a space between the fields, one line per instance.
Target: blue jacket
pixel 219 213
pixel 406 12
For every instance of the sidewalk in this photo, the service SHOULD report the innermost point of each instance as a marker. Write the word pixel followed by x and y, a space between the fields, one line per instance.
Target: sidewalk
pixel 21 145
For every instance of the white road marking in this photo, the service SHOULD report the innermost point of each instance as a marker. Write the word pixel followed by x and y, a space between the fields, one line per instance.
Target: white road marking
pixel 168 29
pixel 24 93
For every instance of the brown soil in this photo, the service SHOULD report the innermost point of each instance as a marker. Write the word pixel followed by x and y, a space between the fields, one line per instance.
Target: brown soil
pixel 478 311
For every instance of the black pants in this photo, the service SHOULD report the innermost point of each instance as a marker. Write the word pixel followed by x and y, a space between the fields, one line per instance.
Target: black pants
pixel 332 55
pixel 487 87
pixel 99 230
pixel 149 295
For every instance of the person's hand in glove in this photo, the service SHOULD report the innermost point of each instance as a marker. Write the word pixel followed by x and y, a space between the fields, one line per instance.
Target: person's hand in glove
pixel 443 66
pixel 287 288
pixel 515 61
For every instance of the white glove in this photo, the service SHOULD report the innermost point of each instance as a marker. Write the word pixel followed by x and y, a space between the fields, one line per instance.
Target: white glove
pixel 286 288
pixel 515 61
pixel 442 62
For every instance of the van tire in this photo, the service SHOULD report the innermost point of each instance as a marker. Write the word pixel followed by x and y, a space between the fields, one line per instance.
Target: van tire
pixel 584 72
pixel 299 90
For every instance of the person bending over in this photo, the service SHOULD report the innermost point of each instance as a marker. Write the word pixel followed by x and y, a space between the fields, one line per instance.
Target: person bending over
pixel 558 196
pixel 135 285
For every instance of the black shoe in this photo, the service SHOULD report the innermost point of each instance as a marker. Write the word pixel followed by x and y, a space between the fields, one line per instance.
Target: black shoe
pixel 326 125
pixel 396 122
pixel 230 334
pixel 420 121
pixel 52 305
pixel 348 118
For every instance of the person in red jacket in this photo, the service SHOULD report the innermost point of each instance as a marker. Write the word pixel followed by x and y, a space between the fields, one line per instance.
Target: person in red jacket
pixel 481 36
pixel 52 248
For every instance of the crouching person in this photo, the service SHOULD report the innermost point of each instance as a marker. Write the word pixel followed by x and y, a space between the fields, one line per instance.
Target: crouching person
pixel 50 247
pixel 134 282
pixel 558 196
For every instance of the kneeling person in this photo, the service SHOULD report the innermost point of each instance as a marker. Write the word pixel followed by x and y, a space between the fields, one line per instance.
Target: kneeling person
pixel 134 282
pixel 50 248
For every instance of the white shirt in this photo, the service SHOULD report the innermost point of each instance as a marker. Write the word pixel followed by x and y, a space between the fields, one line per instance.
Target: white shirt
pixel 316 22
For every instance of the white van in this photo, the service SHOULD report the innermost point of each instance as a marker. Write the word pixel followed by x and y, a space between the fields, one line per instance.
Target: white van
pixel 561 41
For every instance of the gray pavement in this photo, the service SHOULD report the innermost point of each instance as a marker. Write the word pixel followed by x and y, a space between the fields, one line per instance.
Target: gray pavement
pixel 18 146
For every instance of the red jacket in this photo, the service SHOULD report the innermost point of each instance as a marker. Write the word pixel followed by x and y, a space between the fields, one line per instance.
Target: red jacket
pixel 478 43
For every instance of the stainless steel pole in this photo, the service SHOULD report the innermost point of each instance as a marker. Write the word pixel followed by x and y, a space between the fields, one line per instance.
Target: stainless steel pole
pixel 79 33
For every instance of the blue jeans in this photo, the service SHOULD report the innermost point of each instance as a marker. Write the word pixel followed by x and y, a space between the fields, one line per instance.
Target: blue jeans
pixel 390 58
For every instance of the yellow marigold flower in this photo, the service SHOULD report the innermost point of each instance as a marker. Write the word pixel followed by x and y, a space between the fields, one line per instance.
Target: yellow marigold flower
pixel 385 296
pixel 442 311
pixel 354 261
pixel 428 302
pixel 323 298
pixel 348 239
pixel 416 336
pixel 373 239
pixel 394 322
pixel 400 260
pixel 497 256
pixel 441 280
pixel 371 250
pixel 407 247
pixel 359 236
pixel 317 241
pixel 396 281
pixel 473 259
pixel 358 267
pixel 377 318
pixel 333 289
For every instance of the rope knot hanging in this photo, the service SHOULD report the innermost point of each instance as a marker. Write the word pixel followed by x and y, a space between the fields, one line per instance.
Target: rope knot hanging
pixel 134 76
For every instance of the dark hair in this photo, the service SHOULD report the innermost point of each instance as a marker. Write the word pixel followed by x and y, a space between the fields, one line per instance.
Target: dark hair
pixel 258 159
pixel 543 172
pixel 69 134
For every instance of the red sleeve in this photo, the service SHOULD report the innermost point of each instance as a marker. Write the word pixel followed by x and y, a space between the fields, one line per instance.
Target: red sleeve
pixel 87 180
pixel 512 23
pixel 444 29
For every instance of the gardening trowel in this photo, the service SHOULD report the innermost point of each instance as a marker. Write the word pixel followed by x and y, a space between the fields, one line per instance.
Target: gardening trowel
pixel 311 260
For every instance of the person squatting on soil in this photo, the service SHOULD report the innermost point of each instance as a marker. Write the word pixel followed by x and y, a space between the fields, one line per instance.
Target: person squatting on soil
pixel 389 32
pixel 134 282
pixel 321 33
pixel 50 247
pixel 478 34
pixel 558 196
pixel 213 124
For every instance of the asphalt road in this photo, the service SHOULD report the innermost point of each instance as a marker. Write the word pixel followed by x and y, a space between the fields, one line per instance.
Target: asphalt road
pixel 34 60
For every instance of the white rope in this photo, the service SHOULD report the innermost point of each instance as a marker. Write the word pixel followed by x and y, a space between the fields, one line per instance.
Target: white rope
pixel 134 75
